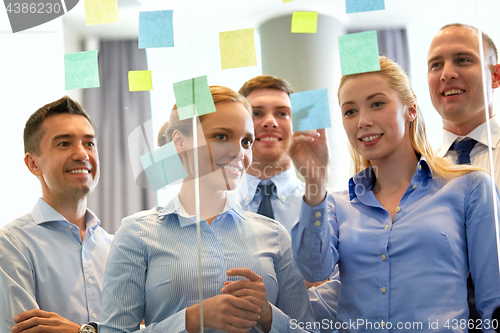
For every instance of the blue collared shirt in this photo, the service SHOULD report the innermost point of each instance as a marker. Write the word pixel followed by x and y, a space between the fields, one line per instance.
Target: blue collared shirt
pixel 286 201
pixel 286 207
pixel 45 265
pixel 412 270
pixel 152 267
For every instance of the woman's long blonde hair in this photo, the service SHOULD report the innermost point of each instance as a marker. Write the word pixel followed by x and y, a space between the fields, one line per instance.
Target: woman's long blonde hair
pixel 399 81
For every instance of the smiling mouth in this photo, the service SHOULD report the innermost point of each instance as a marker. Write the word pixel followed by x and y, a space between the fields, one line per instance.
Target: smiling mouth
pixel 269 138
pixel 370 138
pixel 79 171
pixel 453 92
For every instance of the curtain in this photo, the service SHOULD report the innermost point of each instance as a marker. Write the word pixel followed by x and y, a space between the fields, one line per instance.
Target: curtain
pixel 116 112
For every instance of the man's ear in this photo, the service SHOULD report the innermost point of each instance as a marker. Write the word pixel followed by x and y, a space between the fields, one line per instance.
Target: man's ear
pixel 496 76
pixel 31 162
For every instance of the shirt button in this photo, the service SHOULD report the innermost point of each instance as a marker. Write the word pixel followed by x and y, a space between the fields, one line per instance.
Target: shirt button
pixel 387 226
pixel 282 197
pixel 317 223
pixel 248 199
pixel 383 257
pixel 90 280
pixel 414 187
pixel 419 167
pixel 94 315
pixel 317 214
pixel 398 209
pixel 383 324
pixel 383 290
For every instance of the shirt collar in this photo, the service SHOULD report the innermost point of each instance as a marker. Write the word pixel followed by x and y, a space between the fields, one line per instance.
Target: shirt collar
pixel 175 207
pixel 363 181
pixel 285 183
pixel 45 213
pixel 480 134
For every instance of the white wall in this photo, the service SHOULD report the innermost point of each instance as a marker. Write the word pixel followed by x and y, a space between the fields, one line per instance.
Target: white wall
pixel 32 76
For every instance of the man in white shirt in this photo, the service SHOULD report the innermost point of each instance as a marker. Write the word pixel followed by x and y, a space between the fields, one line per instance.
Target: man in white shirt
pixel 52 259
pixel 456 87
pixel 271 186
pixel 455 84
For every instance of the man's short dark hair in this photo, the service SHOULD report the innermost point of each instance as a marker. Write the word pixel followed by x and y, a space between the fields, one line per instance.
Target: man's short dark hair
pixel 33 132
pixel 265 82
pixel 488 44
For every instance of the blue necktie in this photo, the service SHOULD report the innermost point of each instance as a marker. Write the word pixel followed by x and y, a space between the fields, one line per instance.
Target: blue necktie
pixel 463 148
pixel 265 207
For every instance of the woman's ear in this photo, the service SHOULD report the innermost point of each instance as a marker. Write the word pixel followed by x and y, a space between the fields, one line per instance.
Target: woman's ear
pixel 179 141
pixel 411 112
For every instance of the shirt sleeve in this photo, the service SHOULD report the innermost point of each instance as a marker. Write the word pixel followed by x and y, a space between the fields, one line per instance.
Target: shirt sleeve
pixel 123 300
pixel 324 300
pixel 481 237
pixel 17 282
pixel 315 240
pixel 293 301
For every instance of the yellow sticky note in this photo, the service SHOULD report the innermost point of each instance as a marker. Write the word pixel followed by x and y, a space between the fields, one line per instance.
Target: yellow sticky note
pixel 139 81
pixel 101 11
pixel 237 48
pixel 304 22
pixel 286 1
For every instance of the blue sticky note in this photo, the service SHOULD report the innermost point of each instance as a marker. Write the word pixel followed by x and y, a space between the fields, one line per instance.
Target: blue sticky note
pixel 357 6
pixel 81 70
pixel 310 110
pixel 359 53
pixel 163 166
pixel 193 97
pixel 156 29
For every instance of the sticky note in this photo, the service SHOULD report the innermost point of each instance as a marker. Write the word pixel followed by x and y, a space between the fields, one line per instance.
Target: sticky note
pixel 310 110
pixel 81 70
pixel 356 6
pixel 359 53
pixel 139 81
pixel 287 1
pixel 101 11
pixel 237 48
pixel 163 166
pixel 304 22
pixel 193 97
pixel 156 29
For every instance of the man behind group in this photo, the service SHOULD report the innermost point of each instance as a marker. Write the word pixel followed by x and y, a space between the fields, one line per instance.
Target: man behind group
pixel 52 260
pixel 271 186
pixel 456 88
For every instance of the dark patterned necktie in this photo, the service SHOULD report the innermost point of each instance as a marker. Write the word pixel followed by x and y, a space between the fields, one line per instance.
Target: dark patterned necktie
pixel 265 207
pixel 463 149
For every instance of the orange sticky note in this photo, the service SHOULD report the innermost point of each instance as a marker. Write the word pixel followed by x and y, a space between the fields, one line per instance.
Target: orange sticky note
pixel 237 48
pixel 139 81
pixel 101 11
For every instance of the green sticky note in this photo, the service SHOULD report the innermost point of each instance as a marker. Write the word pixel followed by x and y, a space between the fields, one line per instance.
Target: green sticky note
pixel 237 48
pixel 359 53
pixel 310 110
pixel 193 97
pixel 101 11
pixel 81 70
pixel 139 81
pixel 163 166
pixel 304 22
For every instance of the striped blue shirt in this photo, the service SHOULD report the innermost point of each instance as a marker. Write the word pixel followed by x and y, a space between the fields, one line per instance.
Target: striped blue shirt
pixel 152 268
pixel 45 265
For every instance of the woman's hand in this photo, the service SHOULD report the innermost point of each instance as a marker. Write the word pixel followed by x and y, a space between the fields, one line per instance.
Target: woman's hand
pixel 252 290
pixel 223 312
pixel 310 155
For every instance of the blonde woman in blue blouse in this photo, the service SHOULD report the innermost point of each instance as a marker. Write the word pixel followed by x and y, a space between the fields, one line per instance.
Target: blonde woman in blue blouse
pixel 249 284
pixel 409 228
